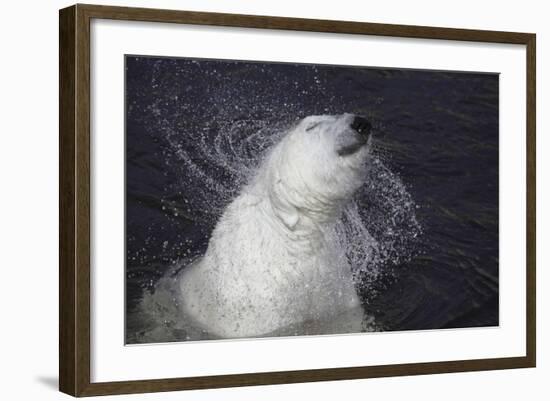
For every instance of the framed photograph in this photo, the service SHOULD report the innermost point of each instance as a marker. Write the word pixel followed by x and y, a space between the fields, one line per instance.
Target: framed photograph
pixel 251 200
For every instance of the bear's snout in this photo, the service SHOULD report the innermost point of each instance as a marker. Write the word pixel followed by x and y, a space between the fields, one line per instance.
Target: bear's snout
pixel 353 139
pixel 362 126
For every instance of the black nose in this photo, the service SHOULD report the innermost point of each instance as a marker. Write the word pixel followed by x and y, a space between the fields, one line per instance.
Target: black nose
pixel 361 125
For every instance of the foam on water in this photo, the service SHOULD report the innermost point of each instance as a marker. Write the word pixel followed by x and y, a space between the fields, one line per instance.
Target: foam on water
pixel 214 156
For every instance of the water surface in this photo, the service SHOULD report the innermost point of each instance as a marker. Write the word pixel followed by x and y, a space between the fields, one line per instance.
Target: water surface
pixel 423 230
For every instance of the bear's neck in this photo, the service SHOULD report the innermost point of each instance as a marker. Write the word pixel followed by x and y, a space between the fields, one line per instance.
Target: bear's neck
pixel 311 220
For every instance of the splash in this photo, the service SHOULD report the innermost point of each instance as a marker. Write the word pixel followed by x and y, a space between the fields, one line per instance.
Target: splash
pixel 213 144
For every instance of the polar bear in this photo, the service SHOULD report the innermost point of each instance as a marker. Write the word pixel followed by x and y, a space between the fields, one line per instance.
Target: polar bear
pixel 271 267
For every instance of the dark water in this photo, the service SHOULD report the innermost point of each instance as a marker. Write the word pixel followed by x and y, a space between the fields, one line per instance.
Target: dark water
pixel 197 128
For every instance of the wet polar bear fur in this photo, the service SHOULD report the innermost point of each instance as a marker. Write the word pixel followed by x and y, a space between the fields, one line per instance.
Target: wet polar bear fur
pixel 271 267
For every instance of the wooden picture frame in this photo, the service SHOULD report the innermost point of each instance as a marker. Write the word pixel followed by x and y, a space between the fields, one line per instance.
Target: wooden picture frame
pixel 74 205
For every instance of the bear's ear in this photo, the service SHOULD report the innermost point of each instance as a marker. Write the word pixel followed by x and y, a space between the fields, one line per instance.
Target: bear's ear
pixel 284 211
pixel 288 215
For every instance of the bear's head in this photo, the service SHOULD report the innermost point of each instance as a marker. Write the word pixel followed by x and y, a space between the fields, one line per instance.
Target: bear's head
pixel 316 167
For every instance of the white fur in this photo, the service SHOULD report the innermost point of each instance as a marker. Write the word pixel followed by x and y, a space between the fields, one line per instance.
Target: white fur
pixel 271 266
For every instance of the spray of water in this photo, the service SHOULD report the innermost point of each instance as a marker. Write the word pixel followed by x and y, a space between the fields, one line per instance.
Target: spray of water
pixel 213 154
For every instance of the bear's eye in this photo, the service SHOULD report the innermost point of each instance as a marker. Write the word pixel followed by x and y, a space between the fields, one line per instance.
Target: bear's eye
pixel 312 126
